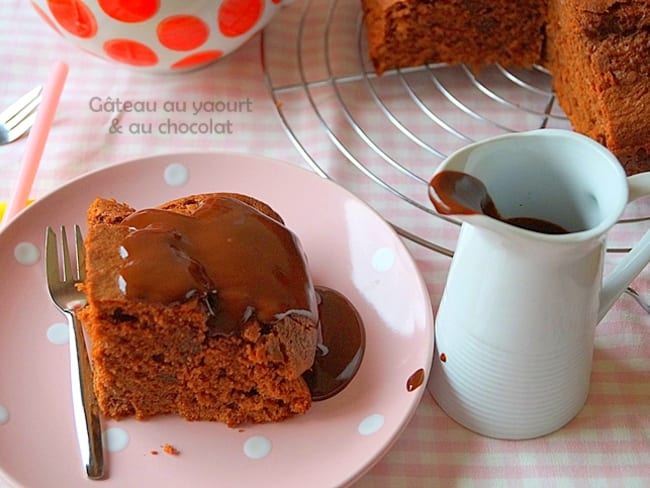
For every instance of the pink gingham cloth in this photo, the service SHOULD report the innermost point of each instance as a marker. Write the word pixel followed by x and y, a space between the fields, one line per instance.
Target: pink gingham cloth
pixel 607 444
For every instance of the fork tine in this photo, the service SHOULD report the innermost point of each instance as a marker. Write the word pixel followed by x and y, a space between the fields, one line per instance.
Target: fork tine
pixel 80 252
pixel 19 105
pixel 51 257
pixel 67 264
pixel 22 127
pixel 28 112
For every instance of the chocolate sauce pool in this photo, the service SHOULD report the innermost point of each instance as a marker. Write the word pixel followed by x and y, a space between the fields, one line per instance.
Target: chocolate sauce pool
pixel 242 264
pixel 340 347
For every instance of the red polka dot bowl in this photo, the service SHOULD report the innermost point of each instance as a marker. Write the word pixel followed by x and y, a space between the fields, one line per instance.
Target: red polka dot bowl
pixel 158 36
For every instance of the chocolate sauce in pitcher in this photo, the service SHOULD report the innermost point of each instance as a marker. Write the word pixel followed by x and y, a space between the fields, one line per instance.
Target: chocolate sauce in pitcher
pixel 457 193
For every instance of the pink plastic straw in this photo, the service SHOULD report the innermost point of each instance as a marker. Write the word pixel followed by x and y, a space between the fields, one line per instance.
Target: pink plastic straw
pixel 36 140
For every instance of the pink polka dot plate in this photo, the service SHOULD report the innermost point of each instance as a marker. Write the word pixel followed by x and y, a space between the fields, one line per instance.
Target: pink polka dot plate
pixel 349 248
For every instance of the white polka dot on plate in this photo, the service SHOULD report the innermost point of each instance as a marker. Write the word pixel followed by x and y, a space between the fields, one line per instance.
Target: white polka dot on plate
pixel 383 259
pixel 27 253
pixel 4 415
pixel 176 174
pixel 257 447
pixel 115 439
pixel 371 424
pixel 58 333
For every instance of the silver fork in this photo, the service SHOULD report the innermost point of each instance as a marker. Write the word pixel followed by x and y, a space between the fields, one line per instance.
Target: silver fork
pixel 19 117
pixel 66 296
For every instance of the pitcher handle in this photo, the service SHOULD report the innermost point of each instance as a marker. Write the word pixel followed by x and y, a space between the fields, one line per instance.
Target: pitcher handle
pixel 634 262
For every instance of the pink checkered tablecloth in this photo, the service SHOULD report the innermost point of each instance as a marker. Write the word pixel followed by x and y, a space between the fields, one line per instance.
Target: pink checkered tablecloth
pixel 607 444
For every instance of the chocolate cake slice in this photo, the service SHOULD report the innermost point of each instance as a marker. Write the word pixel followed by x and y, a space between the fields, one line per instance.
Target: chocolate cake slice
pixel 202 307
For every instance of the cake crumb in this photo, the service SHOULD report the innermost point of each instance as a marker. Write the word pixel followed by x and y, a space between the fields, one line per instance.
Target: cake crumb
pixel 171 450
pixel 153 452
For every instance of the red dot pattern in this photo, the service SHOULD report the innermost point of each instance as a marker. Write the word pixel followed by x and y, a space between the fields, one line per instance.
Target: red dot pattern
pixel 236 17
pixel 177 41
pixel 183 32
pixel 130 52
pixel 130 10
pixel 74 17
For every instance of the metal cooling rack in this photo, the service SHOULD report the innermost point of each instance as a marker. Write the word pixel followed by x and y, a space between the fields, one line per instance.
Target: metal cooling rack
pixel 389 133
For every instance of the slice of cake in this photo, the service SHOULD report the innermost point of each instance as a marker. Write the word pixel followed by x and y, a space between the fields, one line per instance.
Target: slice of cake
pixel 403 33
pixel 599 54
pixel 202 307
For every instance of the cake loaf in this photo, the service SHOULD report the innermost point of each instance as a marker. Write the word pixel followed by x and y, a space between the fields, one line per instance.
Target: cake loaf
pixel 598 52
pixel 405 33
pixel 202 307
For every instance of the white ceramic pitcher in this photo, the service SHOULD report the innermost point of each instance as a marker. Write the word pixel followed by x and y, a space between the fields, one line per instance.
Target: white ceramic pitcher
pixel 516 323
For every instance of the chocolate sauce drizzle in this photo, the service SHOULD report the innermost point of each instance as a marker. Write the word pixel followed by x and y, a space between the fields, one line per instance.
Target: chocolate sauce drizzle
pixel 415 380
pixel 237 259
pixel 242 264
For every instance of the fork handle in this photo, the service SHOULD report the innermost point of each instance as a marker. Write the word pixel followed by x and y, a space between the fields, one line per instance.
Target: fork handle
pixel 84 402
